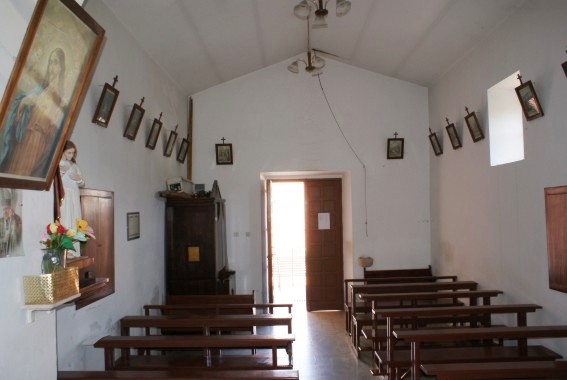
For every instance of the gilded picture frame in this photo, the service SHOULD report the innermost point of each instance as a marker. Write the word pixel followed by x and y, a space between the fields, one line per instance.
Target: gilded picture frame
pixel 46 89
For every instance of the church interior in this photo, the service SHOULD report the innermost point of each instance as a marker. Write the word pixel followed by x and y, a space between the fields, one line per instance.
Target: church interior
pixel 424 135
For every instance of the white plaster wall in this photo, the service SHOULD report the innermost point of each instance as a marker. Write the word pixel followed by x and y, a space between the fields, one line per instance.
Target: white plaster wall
pixel 279 122
pixel 111 162
pixel 488 223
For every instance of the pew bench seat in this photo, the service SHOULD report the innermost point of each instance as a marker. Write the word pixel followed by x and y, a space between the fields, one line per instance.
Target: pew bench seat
pixel 279 374
pixel 173 344
pixel 472 354
pixel 362 321
pixel 497 370
pixel 199 361
pixel 521 334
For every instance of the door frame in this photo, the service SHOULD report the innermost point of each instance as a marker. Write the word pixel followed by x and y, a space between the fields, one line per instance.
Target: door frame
pixel 347 230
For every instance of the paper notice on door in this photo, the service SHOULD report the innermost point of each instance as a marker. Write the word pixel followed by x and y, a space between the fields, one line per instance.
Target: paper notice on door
pixel 324 219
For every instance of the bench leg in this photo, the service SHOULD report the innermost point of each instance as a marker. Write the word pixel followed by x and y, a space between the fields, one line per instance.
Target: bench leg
pixel 108 358
pixel 275 356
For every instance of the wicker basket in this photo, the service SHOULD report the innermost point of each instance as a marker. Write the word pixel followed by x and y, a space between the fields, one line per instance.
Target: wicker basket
pixel 51 288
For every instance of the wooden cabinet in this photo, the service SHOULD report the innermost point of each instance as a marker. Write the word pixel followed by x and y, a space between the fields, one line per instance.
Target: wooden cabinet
pixel 195 252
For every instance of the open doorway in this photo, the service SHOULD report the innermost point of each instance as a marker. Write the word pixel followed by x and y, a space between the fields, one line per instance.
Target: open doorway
pixel 287 242
pixel 305 249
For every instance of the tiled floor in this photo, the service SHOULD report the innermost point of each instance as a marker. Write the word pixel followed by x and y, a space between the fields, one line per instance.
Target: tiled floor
pixel 322 350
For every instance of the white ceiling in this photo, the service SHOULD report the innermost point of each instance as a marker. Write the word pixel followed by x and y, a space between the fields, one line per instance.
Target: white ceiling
pixel 202 43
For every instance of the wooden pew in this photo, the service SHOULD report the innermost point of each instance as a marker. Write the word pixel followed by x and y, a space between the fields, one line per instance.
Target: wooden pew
pixel 386 280
pixel 498 370
pixel 186 342
pixel 213 308
pixel 180 305
pixel 381 274
pixel 210 299
pixel 384 273
pixel 203 322
pixel 280 374
pixel 378 301
pixel 357 324
pixel 519 333
pixel 419 316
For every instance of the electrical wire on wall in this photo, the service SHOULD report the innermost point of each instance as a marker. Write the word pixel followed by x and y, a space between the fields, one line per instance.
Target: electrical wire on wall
pixel 352 150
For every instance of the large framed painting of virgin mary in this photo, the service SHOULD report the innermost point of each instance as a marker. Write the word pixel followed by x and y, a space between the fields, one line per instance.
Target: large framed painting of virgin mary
pixel 45 92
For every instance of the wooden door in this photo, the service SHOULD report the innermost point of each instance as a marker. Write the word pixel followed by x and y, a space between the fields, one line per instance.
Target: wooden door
pixel 324 244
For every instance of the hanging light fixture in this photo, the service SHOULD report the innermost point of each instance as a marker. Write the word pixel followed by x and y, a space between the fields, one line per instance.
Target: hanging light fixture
pixel 318 9
pixel 313 64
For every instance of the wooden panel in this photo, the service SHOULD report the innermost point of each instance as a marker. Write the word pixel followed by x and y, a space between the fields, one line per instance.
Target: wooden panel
pixel 97 208
pixel 556 223
pixel 324 248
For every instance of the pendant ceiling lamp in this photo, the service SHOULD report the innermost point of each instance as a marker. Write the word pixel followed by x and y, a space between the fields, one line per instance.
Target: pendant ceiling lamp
pixel 318 9
pixel 313 63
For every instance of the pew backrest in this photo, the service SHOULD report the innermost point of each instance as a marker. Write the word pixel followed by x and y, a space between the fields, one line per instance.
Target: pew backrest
pixel 203 322
pixel 384 273
pixel 177 374
pixel 222 308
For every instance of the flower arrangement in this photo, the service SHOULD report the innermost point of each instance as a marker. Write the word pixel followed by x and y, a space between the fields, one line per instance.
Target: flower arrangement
pixel 58 238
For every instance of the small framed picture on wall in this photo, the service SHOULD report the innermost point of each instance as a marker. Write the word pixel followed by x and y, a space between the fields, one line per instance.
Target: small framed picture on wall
pixel 133 225
pixel 435 143
pixel 134 121
pixel 223 153
pixel 183 149
pixel 453 135
pixel 395 148
pixel 170 143
pixel 106 104
pixel 154 133
pixel 528 99
pixel 473 126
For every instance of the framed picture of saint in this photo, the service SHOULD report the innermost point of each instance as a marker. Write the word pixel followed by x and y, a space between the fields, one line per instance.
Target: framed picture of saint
pixel 45 92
